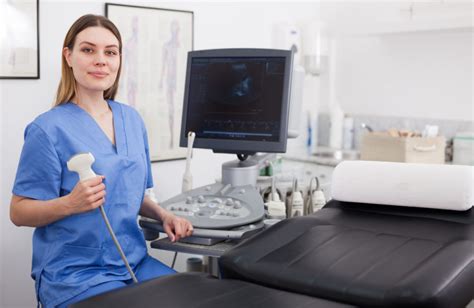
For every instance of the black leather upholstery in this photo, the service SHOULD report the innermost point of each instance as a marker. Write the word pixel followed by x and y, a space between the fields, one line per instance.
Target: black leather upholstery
pixel 201 291
pixel 377 256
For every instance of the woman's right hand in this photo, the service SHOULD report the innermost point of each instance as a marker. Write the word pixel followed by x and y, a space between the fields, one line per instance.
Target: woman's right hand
pixel 86 196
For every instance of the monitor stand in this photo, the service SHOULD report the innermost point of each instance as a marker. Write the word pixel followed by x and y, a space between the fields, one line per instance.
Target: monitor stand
pixel 246 172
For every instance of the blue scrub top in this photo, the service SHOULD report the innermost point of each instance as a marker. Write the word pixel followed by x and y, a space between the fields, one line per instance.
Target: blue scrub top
pixel 77 252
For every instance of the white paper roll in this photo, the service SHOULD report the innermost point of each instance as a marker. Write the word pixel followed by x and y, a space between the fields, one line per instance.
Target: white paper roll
pixel 447 187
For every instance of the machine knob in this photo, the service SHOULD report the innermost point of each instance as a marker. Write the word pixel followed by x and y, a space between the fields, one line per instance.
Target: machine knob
pixel 229 202
pixel 201 199
pixel 208 188
pixel 237 205
pixel 189 200
pixel 242 191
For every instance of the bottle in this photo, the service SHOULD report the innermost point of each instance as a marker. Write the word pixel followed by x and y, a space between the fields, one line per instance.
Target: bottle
pixel 309 137
pixel 335 132
pixel 348 133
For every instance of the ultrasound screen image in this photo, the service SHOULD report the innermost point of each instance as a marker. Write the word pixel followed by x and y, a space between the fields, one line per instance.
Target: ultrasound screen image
pixel 236 98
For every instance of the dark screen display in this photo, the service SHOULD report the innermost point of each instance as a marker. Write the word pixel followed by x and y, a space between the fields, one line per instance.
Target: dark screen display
pixel 236 98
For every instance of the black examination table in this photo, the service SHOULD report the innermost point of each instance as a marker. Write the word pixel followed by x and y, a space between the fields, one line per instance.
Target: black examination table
pixel 345 255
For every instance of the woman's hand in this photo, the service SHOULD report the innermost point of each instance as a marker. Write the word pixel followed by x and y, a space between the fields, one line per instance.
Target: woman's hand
pixel 176 227
pixel 86 196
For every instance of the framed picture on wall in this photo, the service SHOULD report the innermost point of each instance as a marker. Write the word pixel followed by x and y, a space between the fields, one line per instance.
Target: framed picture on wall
pixel 19 39
pixel 154 54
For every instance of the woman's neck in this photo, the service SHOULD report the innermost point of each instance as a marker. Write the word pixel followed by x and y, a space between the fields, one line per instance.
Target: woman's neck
pixel 93 103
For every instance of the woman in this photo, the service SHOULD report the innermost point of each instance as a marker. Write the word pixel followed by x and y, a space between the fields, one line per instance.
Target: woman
pixel 74 256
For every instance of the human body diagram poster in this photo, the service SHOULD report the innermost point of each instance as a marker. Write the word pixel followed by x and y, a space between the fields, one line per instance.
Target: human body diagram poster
pixel 155 46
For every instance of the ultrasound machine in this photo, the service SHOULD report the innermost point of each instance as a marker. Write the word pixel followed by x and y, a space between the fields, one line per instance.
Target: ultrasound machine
pixel 236 101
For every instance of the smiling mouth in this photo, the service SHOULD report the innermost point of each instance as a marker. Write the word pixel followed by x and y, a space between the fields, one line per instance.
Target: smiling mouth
pixel 99 75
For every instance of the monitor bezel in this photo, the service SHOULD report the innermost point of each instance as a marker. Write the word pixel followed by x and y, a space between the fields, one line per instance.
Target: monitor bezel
pixel 241 146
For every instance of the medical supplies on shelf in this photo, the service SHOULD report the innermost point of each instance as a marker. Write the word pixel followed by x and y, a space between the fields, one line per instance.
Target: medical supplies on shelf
pixel 463 148
pixel 402 146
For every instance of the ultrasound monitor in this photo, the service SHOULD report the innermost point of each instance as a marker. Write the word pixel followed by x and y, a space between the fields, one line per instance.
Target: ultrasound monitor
pixel 237 100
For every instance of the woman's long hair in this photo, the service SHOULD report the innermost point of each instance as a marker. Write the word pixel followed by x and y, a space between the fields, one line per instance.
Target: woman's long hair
pixel 67 84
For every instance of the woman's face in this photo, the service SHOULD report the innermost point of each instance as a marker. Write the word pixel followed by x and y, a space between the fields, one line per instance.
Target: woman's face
pixel 95 59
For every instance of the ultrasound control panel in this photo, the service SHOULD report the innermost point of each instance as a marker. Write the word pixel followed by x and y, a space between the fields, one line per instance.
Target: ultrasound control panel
pixel 218 206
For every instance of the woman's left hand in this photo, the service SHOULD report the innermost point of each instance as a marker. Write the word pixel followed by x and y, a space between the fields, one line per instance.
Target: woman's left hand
pixel 176 227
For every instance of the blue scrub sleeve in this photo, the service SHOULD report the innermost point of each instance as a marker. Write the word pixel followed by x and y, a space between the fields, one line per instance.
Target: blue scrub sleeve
pixel 39 170
pixel 149 180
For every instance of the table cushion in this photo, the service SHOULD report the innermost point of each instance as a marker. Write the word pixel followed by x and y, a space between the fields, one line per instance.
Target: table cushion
pixel 190 290
pixel 367 255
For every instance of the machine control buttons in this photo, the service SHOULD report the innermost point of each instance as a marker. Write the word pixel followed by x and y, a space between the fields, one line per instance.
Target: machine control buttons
pixel 204 213
pixel 216 206
pixel 210 207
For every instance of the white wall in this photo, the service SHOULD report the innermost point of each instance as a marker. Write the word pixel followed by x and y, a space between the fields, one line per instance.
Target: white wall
pixel 417 75
pixel 2 220
pixel 216 25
